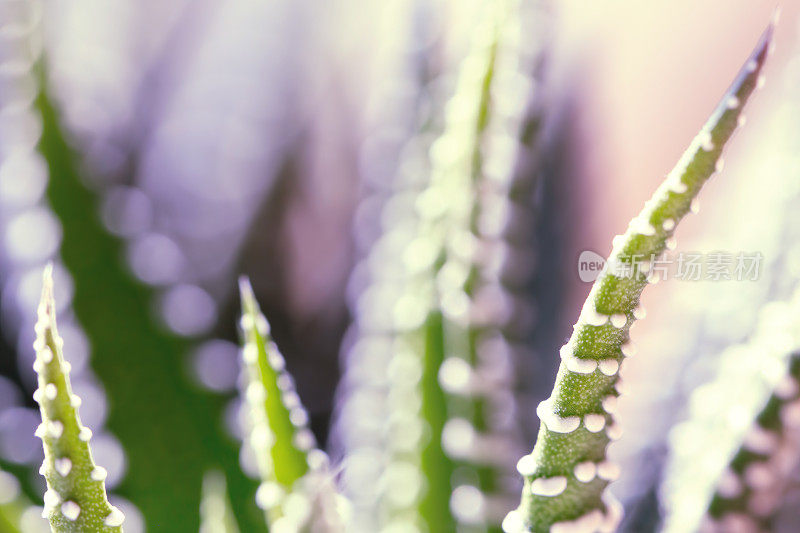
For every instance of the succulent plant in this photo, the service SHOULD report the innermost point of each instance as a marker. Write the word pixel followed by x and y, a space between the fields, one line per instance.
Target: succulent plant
pixel 427 424
pixel 42 155
pixel 102 282
pixel 76 496
pixel 295 492
pixel 695 322
pixel 567 473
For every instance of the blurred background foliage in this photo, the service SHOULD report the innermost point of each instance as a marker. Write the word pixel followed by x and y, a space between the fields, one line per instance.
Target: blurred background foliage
pixel 183 143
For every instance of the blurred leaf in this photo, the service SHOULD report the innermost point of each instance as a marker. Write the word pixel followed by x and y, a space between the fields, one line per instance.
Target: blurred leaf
pixel 216 515
pixel 276 424
pixel 437 402
pixel 755 483
pixel 12 504
pixel 484 284
pixel 292 469
pixel 715 448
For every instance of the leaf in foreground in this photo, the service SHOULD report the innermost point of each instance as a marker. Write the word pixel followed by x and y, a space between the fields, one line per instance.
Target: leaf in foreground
pixel 568 471
pixel 163 480
pixel 76 499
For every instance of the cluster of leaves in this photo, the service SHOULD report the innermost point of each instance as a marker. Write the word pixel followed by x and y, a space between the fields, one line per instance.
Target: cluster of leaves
pixel 442 458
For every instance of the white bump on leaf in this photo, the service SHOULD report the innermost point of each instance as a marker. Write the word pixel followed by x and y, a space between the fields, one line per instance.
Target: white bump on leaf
pixel 555 423
pixel 608 470
pixel 609 367
pixel 50 391
pixel 269 494
pixel 51 499
pixel 115 518
pixel 619 320
pixel 585 472
pixel 550 486
pixel 594 422
pixel 729 484
pixel 576 364
pixel 526 466
pixel 628 349
pixel 85 434
pixel 590 316
pixel 514 523
pixel 99 473
pixel 45 354
pixel 55 429
pixel 610 404
pixel 70 510
pixel 614 431
pixel 250 353
pixel 63 466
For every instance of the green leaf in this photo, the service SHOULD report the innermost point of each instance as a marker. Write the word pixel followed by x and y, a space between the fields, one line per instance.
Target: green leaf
pixel 293 471
pixel 75 500
pixel 428 310
pixel 484 310
pixel 216 515
pixel 151 399
pixel 567 473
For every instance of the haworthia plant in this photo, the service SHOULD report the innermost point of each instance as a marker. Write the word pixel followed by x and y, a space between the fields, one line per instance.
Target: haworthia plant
pixel 696 322
pixel 216 515
pixel 294 491
pixel 752 488
pixel 75 500
pixel 189 432
pixel 567 473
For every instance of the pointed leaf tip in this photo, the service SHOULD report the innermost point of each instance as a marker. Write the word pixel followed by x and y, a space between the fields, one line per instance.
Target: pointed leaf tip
pixel 246 294
pixel 47 281
pixel 764 46
pixel 244 285
pixel 278 424
pixel 553 493
pixel 47 304
pixel 47 273
pixel 776 16
pixel 76 498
